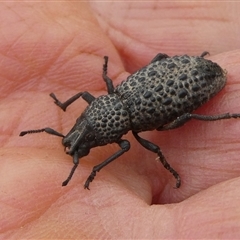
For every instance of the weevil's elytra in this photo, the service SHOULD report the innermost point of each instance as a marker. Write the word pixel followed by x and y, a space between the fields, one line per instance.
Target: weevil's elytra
pixel 161 96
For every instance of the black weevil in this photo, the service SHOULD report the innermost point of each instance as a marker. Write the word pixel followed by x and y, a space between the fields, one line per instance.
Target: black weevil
pixel 161 96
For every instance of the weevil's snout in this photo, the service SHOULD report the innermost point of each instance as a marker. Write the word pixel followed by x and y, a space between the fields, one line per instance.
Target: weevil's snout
pixel 81 138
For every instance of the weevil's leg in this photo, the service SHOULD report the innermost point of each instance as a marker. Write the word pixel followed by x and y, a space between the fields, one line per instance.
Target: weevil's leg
pixel 154 148
pixel 108 81
pixel 75 162
pixel 124 145
pixel 85 95
pixel 204 54
pixel 188 116
pixel 159 57
pixel 47 130
pixel 180 121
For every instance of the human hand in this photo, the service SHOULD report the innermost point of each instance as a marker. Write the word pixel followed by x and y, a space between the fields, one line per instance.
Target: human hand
pixel 59 47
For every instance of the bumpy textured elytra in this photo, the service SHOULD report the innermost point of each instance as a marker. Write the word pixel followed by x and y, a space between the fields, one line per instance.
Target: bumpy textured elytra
pixel 159 96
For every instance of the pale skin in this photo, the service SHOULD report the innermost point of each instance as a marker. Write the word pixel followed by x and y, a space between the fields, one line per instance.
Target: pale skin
pixel 59 47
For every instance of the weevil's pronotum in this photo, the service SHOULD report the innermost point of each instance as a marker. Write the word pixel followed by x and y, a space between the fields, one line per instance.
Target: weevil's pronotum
pixel 161 96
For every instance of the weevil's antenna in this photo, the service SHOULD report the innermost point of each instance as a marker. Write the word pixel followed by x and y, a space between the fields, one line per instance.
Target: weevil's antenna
pixel 47 130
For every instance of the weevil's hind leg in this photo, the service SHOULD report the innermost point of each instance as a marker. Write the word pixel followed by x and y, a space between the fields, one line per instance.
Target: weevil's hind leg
pixel 180 121
pixel 159 57
pixel 108 81
pixel 124 145
pixel 154 148
pixel 204 54
pixel 188 116
pixel 85 95
pixel 47 130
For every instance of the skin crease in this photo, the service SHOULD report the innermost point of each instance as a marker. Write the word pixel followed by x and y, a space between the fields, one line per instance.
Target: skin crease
pixel 59 47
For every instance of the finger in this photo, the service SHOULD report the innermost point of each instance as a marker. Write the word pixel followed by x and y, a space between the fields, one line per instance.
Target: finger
pixel 173 28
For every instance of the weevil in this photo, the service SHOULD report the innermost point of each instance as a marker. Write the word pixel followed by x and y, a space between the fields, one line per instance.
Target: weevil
pixel 161 96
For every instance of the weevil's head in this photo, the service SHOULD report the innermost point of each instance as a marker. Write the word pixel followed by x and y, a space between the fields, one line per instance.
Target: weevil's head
pixel 104 121
pixel 81 138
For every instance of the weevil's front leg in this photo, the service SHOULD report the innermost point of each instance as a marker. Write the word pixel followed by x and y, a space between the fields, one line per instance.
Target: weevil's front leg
pixel 124 145
pixel 75 162
pixel 85 95
pixel 108 81
pixel 154 148
pixel 188 116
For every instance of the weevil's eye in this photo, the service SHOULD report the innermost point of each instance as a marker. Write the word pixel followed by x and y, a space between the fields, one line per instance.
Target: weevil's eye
pixel 89 137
